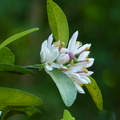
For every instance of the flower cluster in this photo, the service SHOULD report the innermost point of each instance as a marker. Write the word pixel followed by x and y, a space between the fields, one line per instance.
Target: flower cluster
pixel 73 60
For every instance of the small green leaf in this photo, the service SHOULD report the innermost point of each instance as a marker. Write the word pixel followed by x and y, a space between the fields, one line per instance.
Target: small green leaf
pixel 58 22
pixel 10 111
pixel 15 69
pixel 16 36
pixel 65 86
pixel 6 56
pixel 14 97
pixel 67 116
pixel 95 93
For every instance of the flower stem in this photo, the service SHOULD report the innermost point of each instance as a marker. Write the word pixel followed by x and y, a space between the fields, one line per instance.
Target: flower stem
pixel 36 66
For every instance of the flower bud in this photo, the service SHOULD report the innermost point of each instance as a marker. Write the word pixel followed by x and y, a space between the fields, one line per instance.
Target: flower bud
pixel 63 58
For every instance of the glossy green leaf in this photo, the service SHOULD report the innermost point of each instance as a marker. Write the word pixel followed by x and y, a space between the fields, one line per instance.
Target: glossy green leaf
pixel 6 56
pixel 95 93
pixel 10 111
pixel 65 86
pixel 15 69
pixel 14 97
pixel 57 21
pixel 16 36
pixel 67 116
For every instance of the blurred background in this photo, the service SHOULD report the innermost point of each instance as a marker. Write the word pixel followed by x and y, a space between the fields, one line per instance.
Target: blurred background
pixel 98 22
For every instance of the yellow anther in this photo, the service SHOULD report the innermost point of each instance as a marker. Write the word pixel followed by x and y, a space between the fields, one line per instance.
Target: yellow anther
pixel 87 59
pixel 72 77
pixel 87 48
pixel 62 44
pixel 56 44
pixel 49 63
pixel 77 42
pixel 85 70
pixel 80 43
pixel 81 84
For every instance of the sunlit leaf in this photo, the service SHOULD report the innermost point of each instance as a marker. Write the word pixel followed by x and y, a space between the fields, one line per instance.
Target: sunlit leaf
pixel 95 93
pixel 6 56
pixel 14 97
pixel 16 36
pixel 10 111
pixel 106 115
pixel 65 85
pixel 58 22
pixel 67 116
pixel 15 69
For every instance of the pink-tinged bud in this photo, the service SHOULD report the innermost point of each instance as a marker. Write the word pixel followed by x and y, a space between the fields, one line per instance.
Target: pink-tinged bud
pixel 63 58
pixel 71 55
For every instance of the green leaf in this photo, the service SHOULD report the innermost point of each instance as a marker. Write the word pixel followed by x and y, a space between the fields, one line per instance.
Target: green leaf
pixel 16 36
pixel 14 97
pixel 15 69
pixel 10 111
pixel 6 56
pixel 95 93
pixel 67 116
pixel 57 21
pixel 65 86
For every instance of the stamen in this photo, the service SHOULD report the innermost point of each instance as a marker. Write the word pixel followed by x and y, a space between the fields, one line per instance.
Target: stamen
pixel 85 70
pixel 81 84
pixel 87 48
pixel 49 63
pixel 80 43
pixel 80 72
pixel 56 44
pixel 72 77
pixel 87 59
pixel 62 44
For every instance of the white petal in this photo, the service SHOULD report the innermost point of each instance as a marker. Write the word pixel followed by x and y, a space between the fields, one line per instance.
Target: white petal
pixel 44 44
pixel 77 67
pixel 83 55
pixel 42 56
pixel 90 63
pixel 76 77
pixel 86 78
pixel 79 88
pixel 76 48
pixel 86 74
pixel 82 48
pixel 82 80
pixel 72 41
pixel 50 39
pixel 45 55
pixel 55 65
pixel 49 67
pixel 63 50
pixel 53 56
pixel 63 58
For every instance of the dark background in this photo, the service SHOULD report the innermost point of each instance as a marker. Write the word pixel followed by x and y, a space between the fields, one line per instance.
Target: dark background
pixel 98 22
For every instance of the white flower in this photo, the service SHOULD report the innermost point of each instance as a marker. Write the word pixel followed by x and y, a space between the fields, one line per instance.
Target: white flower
pixel 73 60
pixel 77 69
pixel 75 47
pixel 49 53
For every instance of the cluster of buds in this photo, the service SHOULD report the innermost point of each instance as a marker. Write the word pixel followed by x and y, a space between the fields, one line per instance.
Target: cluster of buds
pixel 73 60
